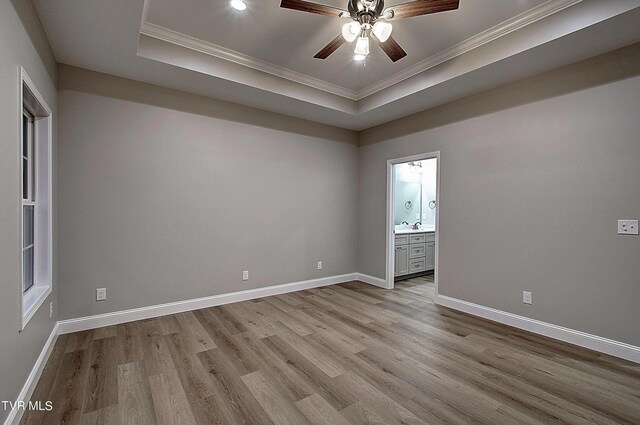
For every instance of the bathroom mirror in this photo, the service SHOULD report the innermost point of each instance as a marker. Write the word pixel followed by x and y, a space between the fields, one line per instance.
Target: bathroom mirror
pixel 415 192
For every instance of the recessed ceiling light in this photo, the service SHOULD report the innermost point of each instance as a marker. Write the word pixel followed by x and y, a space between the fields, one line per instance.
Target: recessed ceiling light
pixel 359 57
pixel 238 4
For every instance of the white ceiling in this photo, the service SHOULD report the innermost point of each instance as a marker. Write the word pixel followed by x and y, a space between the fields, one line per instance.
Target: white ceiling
pixel 264 56
pixel 289 38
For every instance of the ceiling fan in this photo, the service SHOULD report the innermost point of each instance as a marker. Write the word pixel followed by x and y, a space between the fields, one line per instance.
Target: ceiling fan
pixel 368 21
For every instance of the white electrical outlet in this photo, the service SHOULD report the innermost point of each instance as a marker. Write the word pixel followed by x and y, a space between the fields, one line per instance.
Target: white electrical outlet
pixel 627 227
pixel 319 265
pixel 50 309
pixel 245 275
pixel 527 297
pixel 101 294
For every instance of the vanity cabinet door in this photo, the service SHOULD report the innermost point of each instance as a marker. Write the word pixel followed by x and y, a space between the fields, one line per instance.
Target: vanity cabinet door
pixel 430 262
pixel 402 260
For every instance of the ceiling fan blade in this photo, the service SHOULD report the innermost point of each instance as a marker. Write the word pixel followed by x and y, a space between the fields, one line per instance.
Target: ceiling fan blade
pixel 307 6
pixel 331 47
pixel 392 49
pixel 423 7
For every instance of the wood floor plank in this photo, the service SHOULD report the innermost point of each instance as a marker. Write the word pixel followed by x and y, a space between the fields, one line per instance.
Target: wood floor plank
pixel 135 403
pixel 278 407
pixel 106 332
pixel 357 414
pixel 192 373
pixel 107 416
pixel 346 354
pixel 168 324
pixel 241 404
pixel 101 390
pixel 242 358
pixel 67 392
pixel 315 354
pixel 129 343
pixel 319 412
pixel 255 322
pixel 290 382
pixel 170 401
pixel 376 401
pixel 79 341
pixel 337 396
pixel 228 321
pixel 194 332
pixel 156 354
pixel 212 410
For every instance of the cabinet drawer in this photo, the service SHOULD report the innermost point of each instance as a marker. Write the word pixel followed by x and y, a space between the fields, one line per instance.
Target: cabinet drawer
pixel 417 250
pixel 417 265
pixel 402 239
pixel 419 238
pixel 431 237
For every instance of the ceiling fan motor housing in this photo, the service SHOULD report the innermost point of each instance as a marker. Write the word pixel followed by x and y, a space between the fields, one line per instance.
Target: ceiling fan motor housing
pixel 365 11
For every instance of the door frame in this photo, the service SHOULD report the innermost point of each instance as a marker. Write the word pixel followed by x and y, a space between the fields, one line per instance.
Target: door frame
pixel 390 231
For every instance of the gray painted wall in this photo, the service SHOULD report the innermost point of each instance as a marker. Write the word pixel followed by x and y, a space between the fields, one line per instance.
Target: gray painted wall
pixel 534 177
pixel 166 196
pixel 22 43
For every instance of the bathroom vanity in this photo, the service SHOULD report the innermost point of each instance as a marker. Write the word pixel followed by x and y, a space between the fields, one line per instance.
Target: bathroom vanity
pixel 414 252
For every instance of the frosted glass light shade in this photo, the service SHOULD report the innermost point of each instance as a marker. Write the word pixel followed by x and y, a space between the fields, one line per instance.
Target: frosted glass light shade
pixel 350 31
pixel 382 30
pixel 238 4
pixel 362 46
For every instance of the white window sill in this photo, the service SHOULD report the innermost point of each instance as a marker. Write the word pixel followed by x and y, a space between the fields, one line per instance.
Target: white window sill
pixel 32 301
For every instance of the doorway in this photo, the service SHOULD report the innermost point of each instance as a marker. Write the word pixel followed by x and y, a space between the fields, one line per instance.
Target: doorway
pixel 413 206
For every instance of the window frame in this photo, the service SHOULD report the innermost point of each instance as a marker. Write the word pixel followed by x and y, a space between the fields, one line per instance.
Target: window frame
pixel 39 196
pixel 30 200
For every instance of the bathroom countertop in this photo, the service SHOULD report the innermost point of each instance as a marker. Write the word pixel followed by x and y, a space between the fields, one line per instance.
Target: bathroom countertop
pixel 409 231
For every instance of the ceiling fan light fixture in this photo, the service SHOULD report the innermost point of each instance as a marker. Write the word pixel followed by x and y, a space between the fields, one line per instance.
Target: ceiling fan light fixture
pixel 351 31
pixel 238 4
pixel 362 46
pixel 382 30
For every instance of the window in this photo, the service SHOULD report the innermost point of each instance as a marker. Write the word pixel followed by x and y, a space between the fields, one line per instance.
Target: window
pixel 35 189
pixel 28 202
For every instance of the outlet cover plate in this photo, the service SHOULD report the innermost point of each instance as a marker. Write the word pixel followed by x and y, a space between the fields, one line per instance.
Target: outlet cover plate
pixel 245 275
pixel 527 297
pixel 627 227
pixel 101 294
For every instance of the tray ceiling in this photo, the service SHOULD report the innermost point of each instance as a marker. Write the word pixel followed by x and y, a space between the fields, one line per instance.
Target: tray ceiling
pixel 263 57
pixel 289 39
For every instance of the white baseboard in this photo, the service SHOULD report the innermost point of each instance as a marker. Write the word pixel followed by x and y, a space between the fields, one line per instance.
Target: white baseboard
pixel 32 380
pixel 124 316
pixel 582 339
pixel 375 281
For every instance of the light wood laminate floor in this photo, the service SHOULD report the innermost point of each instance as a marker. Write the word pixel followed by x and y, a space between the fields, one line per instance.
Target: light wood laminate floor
pixel 345 354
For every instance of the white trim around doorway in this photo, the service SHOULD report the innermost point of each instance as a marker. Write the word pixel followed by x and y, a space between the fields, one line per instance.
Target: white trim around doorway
pixel 390 232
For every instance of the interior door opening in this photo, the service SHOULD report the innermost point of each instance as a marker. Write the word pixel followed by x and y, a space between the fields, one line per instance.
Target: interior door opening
pixel 412 219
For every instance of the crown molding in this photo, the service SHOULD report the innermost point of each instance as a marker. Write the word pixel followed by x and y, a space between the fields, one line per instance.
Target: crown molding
pixel 520 21
pixel 183 40
pixel 516 23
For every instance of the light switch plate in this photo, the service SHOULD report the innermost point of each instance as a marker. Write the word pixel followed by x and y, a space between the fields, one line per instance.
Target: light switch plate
pixel 101 294
pixel 527 297
pixel 627 227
